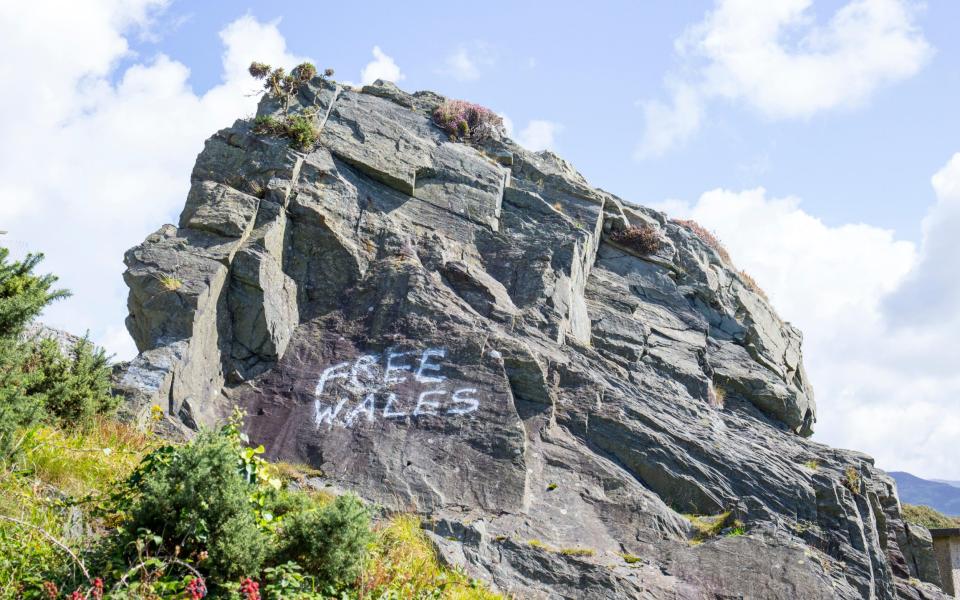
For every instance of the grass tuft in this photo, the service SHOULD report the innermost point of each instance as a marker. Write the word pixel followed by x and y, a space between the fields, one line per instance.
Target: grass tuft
pixel 169 283
pixel 299 129
pixel 577 551
pixel 851 480
pixel 709 526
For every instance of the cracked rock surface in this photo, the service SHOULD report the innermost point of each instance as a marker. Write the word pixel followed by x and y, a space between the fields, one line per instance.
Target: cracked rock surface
pixel 447 328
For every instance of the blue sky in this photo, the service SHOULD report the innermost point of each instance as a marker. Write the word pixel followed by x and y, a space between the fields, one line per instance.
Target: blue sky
pixel 587 65
pixel 818 138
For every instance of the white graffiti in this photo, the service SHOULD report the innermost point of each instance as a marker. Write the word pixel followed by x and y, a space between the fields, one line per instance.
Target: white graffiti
pixel 394 385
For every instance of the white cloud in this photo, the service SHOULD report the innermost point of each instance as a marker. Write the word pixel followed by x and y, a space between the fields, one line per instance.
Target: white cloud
pixel 881 320
pixel 467 62
pixel 96 166
pixel 461 66
pixel 776 58
pixel 932 292
pixel 670 124
pixel 538 135
pixel 381 67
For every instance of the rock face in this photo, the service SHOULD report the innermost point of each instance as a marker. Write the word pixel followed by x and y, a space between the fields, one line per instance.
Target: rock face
pixel 38 331
pixel 448 328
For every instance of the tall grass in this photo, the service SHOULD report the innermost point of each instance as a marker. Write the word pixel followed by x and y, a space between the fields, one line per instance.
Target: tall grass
pixel 45 490
pixel 85 461
pixel 403 564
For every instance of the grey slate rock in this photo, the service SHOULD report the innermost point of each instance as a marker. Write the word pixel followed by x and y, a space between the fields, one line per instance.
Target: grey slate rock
pixel 447 329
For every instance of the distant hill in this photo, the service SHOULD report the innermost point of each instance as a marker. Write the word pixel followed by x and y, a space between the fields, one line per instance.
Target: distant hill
pixel 945 497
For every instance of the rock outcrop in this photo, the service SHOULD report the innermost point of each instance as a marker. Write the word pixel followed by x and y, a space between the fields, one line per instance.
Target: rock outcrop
pixel 450 329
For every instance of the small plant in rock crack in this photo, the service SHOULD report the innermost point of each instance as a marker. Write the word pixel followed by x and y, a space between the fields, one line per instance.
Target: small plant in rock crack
pixel 169 283
pixel 641 238
pixel 851 480
pixel 300 128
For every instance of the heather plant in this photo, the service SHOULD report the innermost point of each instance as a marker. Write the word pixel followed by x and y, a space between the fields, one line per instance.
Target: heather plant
pixel 643 239
pixel 712 241
pixel 467 121
pixel 707 237
pixel 752 284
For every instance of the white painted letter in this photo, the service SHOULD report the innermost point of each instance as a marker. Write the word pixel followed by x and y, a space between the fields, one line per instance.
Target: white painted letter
pixel 460 396
pixel 426 366
pixel 328 374
pixel 387 379
pixel 368 406
pixel 388 412
pixel 367 364
pixel 423 403
pixel 328 414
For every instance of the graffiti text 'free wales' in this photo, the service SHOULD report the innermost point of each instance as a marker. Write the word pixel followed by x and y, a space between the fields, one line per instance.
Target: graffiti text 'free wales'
pixel 359 391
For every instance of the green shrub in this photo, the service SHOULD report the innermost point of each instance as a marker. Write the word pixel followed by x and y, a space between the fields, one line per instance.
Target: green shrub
pixel 329 543
pixel 299 129
pixel 22 296
pixel 74 387
pixel 193 499
pixel 287 582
